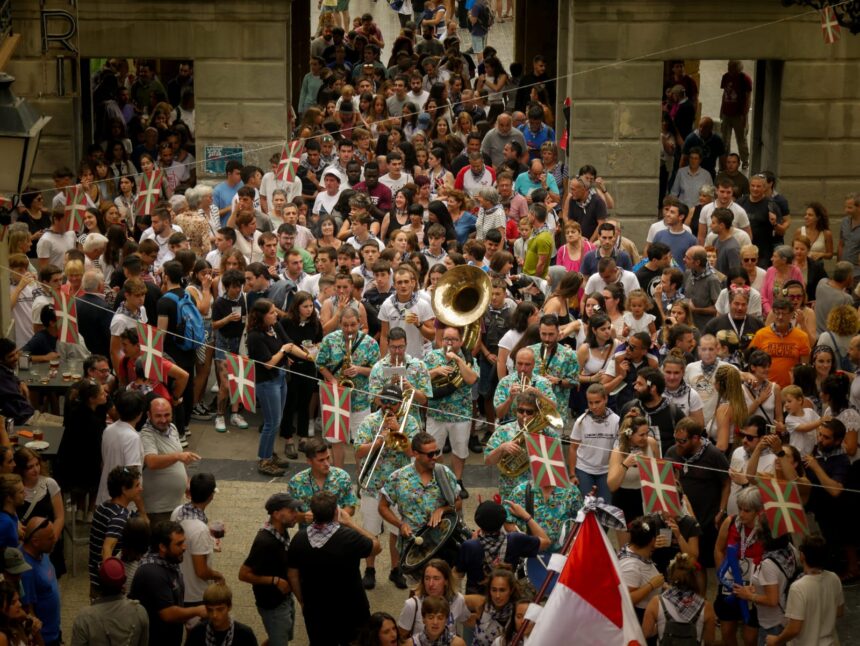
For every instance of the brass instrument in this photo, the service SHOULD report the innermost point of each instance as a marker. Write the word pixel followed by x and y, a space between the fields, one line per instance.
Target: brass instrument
pixel 405 387
pixel 544 353
pixel 460 299
pixel 346 382
pixel 394 441
pixel 547 414
pixel 448 382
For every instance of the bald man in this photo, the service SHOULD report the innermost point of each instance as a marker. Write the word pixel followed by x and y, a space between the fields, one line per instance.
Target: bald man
pixel 495 140
pixel 513 384
pixel 713 147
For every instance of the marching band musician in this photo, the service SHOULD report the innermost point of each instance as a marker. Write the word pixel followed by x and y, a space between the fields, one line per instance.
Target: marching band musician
pixel 513 384
pixel 342 300
pixel 448 416
pixel 561 368
pixel 416 492
pixel 370 438
pixel 416 374
pixel 320 476
pixel 501 442
pixel 359 357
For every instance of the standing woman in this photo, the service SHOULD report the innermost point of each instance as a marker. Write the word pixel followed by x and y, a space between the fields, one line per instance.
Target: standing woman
pixel 824 362
pixel 834 398
pixel 595 354
pixel 441 179
pixel 802 316
pixel 302 324
pixel 494 79
pixel 125 199
pixel 438 213
pixel 462 219
pixel 732 410
pixel 749 261
pixel 398 216
pixel 491 215
pixel 495 609
pixel 812 270
pixel 561 302
pixel 94 222
pixel 42 499
pixel 638 572
pixel 613 295
pixel 437 580
pixel 816 228
pixel 575 247
pixel 551 164
pixel 200 288
pixel 623 477
pixel 268 346
pixel 777 275
pixel 37 218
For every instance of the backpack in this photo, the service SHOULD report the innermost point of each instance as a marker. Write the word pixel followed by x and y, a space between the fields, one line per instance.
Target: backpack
pixel 677 633
pixel 488 16
pixel 789 579
pixel 844 363
pixel 189 322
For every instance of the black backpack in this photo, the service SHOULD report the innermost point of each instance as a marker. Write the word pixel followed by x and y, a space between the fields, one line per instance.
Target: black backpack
pixel 677 633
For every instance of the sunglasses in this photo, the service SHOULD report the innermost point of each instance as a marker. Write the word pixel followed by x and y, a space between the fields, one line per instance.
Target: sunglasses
pixel 749 437
pixel 431 454
pixel 750 260
pixel 681 441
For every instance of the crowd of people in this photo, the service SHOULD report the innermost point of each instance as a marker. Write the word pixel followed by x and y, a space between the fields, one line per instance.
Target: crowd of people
pixel 727 343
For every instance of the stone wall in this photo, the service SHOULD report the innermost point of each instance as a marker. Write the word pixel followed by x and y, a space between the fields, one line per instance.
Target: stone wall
pixel 241 53
pixel 616 109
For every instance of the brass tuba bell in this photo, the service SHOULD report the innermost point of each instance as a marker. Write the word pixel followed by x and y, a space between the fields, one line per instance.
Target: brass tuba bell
pixel 461 298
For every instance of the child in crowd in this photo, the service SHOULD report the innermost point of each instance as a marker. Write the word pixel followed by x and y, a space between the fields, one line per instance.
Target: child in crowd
pixel 801 423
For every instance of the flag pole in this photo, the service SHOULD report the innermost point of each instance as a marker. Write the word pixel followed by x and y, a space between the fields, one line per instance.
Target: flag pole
pixel 565 549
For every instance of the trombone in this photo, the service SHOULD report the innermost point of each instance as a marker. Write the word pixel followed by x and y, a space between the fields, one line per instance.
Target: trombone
pixel 396 440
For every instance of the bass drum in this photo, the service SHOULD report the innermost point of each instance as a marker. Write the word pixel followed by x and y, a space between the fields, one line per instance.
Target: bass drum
pixel 440 542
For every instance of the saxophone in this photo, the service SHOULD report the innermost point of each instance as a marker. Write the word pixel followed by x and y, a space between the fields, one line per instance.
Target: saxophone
pixel 346 382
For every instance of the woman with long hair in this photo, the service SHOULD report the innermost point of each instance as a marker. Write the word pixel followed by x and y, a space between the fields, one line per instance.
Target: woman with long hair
pixel 398 216
pixel 200 289
pixel 763 397
pixel 327 227
pixel 36 216
pixel 562 301
pixel 823 360
pixel 495 608
pixel 682 601
pixel 637 570
pixel 437 580
pixel 441 179
pixel 433 275
pixel 623 478
pixel 42 499
pixel 17 628
pixel 378 120
pixel 233 259
pixel 381 630
pixel 551 164
pixel 777 275
pixel 440 129
pixel 463 220
pixel 592 303
pixel 11 497
pixel 125 199
pixel 732 411
pixel 437 213
pixel 119 163
pixel 812 270
pixel 302 325
pixel 93 222
pixel 834 398
pixel 268 347
pixel 463 126
pixel 494 79
pixel 613 295
pixel 816 228
pixel 595 354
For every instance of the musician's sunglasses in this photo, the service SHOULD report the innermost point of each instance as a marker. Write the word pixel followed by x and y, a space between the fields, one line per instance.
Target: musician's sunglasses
pixel 431 454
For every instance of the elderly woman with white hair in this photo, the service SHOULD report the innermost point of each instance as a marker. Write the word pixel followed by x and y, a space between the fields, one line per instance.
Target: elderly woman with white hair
pixel 200 200
pixel 94 247
pixel 194 222
pixel 491 215
pixel 777 275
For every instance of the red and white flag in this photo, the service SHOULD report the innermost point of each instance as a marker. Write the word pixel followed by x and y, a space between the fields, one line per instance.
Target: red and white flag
pixel 149 192
pixel 151 341
pixel 590 604
pixel 67 317
pixel 830 28
pixel 76 206
pixel 241 381
pixel 289 164
pixel 547 461
pixel 659 492
pixel 782 506
pixel 335 403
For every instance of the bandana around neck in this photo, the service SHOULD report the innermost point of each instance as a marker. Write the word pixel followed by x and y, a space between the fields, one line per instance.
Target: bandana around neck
pixel 319 534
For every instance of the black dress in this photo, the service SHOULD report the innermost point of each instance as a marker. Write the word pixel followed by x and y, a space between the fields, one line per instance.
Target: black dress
pixel 78 464
pixel 303 380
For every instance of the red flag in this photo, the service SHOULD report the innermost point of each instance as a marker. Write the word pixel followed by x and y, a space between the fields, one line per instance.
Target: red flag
pixel 335 404
pixel 659 492
pixel 241 381
pixel 547 460
pixel 289 164
pixel 590 600
pixel 67 317
pixel 149 191
pixel 76 206
pixel 151 341
pixel 830 28
pixel 782 505
pixel 565 136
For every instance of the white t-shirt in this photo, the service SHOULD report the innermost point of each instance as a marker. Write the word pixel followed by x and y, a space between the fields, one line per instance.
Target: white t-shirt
pixel 635 574
pixel 324 203
pixel 689 403
pixel 766 464
pixel 22 314
pixel 596 441
pixel 740 235
pixel 54 246
pixel 409 619
pixel 753 308
pixel 122 322
pixel 270 183
pixel 396 184
pixel 768 573
pixel 704 386
pixel 121 447
pixel 741 219
pixel 235 201
pixel 628 281
pixel 164 252
pixel 803 442
pixel 198 542
pixel 814 600
pixel 508 341
pixel 394 315
pixel 638 325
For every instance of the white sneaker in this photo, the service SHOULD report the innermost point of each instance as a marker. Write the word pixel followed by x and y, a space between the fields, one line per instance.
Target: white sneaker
pixel 220 426
pixel 214 388
pixel 238 421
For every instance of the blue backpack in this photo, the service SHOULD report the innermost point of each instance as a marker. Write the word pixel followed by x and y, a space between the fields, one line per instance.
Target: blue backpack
pixel 189 322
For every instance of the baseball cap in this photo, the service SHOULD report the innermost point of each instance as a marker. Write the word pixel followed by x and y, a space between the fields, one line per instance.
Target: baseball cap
pixel 278 501
pixel 490 516
pixel 13 561
pixel 112 573
pixel 392 394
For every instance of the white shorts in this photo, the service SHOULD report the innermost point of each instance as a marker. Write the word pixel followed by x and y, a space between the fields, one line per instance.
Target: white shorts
pixel 457 432
pixel 355 420
pixel 370 518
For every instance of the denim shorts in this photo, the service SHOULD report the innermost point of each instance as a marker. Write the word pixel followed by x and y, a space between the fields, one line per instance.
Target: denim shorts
pixel 225 344
pixel 479 43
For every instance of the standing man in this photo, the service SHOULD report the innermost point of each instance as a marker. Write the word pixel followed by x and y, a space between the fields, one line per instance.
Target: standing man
pixel 448 416
pixel 265 568
pixel 158 586
pixel 700 375
pixel 556 363
pixel 196 566
pixel 540 245
pixel 121 444
pixel 662 415
pixel 725 199
pixel 606 248
pixel 159 232
pixel 583 207
pixel 404 309
pixel 676 236
pixel 494 141
pixel 367 448
pixel 331 550
pixel 678 392
pixel 710 144
pixel 479 19
pixel 39 583
pixel 849 233
pixel 523 379
pixel 321 476
pixel 726 244
pixel 767 221
pixel 786 344
pixel 701 285
pixel 832 292
pixel 164 462
pixel 734 108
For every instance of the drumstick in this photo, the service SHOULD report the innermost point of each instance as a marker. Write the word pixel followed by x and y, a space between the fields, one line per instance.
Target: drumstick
pixel 418 541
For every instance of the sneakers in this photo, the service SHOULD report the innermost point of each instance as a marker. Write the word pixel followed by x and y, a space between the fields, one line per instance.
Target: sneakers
pixel 183 441
pixel 201 413
pixel 279 461
pixel 368 581
pixel 464 493
pixel 220 424
pixel 238 421
pixel 269 468
pixel 397 578
pixel 475 445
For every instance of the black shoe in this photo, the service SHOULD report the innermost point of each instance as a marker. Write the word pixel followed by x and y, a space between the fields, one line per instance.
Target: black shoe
pixel 397 578
pixel 447 448
pixel 368 581
pixel 464 493
pixel 475 445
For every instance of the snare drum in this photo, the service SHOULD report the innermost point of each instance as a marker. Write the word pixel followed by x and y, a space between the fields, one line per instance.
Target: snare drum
pixel 442 542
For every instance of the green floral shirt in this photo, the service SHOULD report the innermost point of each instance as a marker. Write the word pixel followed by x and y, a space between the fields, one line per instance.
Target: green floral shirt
pixel 366 353
pixel 506 433
pixel 503 391
pixel 416 374
pixel 562 364
pixel 456 407
pixel 391 460
pixel 563 505
pixel 416 501
pixel 302 486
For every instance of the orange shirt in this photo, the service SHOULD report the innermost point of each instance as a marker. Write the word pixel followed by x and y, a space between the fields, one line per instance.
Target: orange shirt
pixel 785 351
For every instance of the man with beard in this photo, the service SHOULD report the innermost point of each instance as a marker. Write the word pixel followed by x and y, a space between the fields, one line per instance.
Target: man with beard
pixel 380 194
pixel 737 319
pixel 631 358
pixel 661 414
pixel 678 392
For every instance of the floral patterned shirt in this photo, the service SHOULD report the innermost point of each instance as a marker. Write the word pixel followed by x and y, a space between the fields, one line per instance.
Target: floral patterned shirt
pixel 365 353
pixel 416 374
pixel 302 486
pixel 506 433
pixel 503 391
pixel 456 407
pixel 416 501
pixel 562 506
pixel 391 460
pixel 563 364
pixel 196 229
